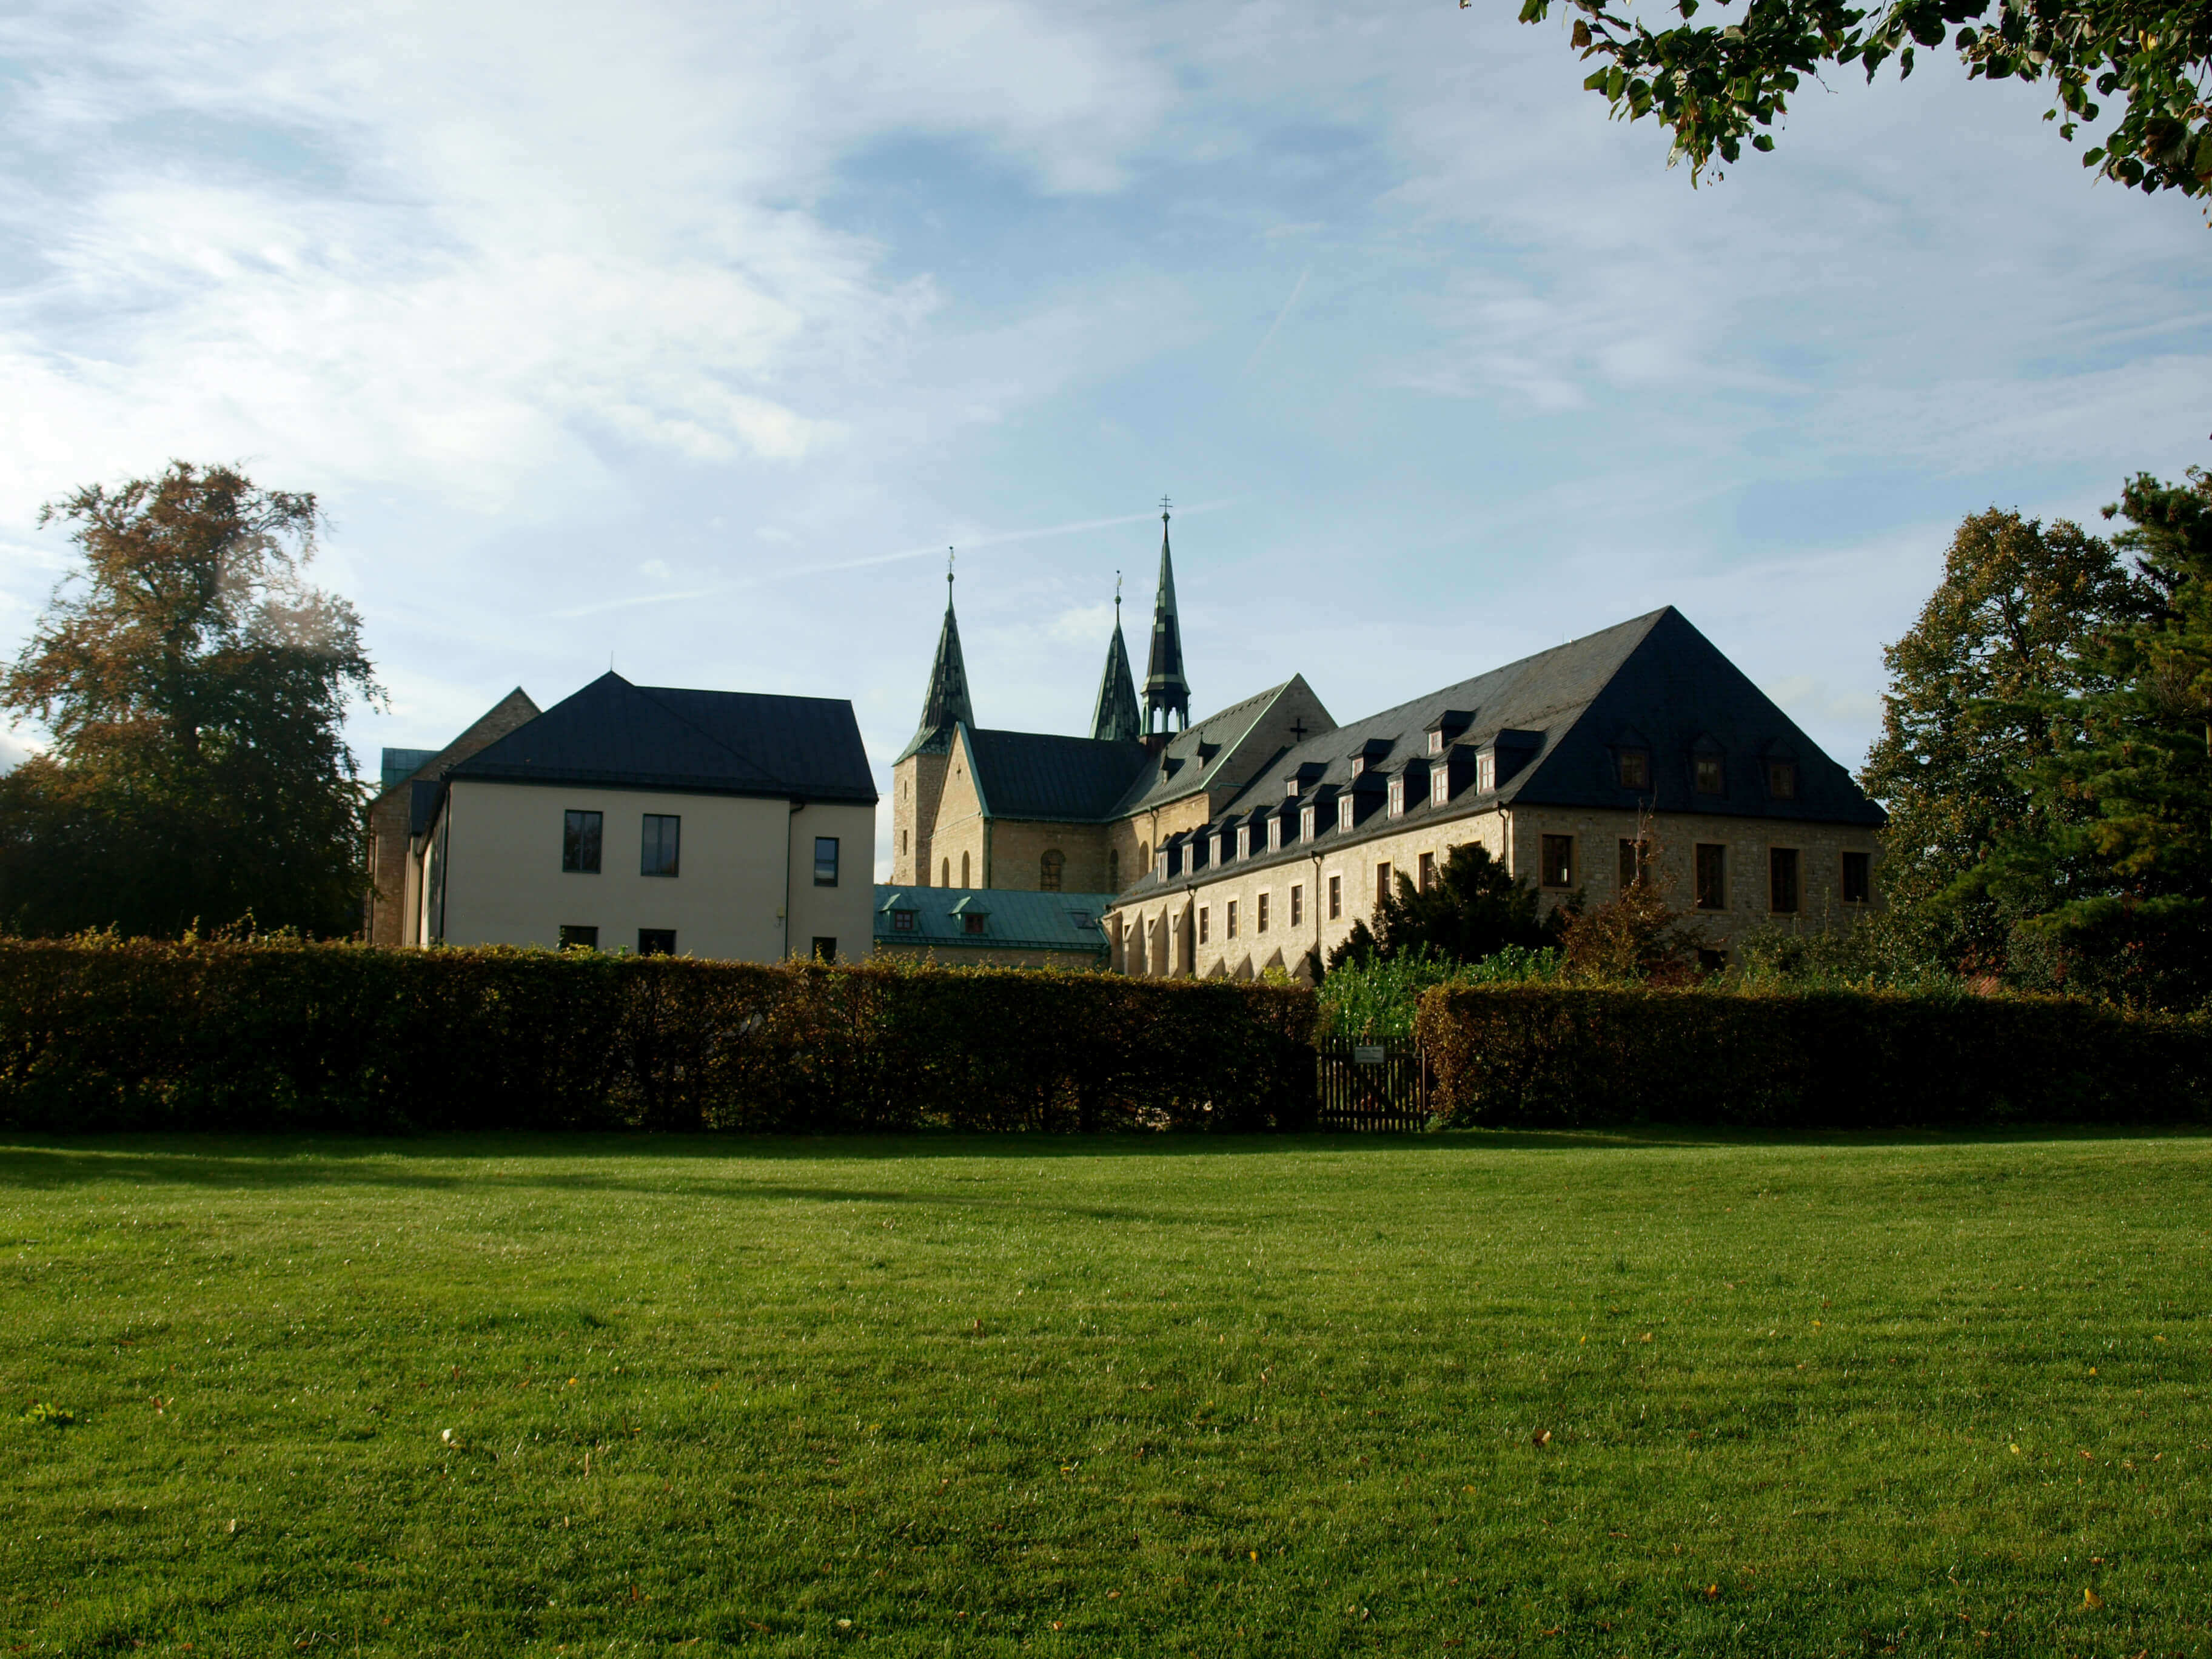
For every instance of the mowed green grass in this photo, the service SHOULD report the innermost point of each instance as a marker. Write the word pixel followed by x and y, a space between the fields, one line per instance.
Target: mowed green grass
pixel 1461 1394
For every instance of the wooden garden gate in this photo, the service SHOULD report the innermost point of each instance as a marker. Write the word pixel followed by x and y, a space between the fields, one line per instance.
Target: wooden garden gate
pixel 1381 1087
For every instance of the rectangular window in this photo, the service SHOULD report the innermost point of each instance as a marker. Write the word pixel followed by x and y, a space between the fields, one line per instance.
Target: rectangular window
pixel 1635 766
pixel 971 923
pixel 1232 918
pixel 1204 918
pixel 1782 880
pixel 1306 822
pixel 574 938
pixel 1707 773
pixel 825 860
pixel 1275 833
pixel 1712 877
pixel 1297 905
pixel 1428 870
pixel 1435 743
pixel 580 842
pixel 1782 780
pixel 825 948
pixel 1259 916
pixel 1381 883
pixel 1485 772
pixel 1243 841
pixel 1344 811
pixel 656 941
pixel 1439 786
pixel 1858 878
pixel 1397 794
pixel 1335 897
pixel 1558 863
pixel 902 921
pixel 658 857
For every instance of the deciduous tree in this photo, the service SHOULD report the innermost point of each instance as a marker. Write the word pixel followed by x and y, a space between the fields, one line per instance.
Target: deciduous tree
pixel 194 687
pixel 1717 84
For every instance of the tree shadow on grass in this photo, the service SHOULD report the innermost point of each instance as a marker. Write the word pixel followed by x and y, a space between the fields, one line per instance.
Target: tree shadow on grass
pixel 697 1166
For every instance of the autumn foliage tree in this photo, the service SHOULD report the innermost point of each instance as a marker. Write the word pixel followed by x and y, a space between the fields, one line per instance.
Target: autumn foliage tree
pixel 194 687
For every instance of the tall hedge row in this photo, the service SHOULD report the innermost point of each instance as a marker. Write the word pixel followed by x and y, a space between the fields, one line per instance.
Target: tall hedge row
pixel 145 1035
pixel 1527 1055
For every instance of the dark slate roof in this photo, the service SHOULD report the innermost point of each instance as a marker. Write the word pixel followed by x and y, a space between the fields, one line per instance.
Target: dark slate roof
pixel 1654 682
pixel 1044 775
pixel 649 737
pixel 1011 921
pixel 944 705
pixel 1209 754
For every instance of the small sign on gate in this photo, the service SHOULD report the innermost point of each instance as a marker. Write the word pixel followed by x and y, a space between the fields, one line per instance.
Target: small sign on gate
pixel 1362 1055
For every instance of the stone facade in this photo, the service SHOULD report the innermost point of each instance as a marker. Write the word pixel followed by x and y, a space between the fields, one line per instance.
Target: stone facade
pixel 1187 929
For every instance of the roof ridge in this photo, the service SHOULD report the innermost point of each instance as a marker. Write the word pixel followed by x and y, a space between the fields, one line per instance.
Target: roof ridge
pixel 760 772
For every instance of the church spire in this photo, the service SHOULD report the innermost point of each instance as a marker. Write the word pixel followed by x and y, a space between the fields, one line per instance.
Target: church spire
pixel 1166 691
pixel 945 703
pixel 1115 719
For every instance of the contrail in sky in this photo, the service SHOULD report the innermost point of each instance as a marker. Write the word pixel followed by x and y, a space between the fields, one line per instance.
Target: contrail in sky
pixel 998 538
pixel 1297 288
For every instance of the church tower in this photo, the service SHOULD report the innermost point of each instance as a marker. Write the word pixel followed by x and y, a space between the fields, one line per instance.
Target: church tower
pixel 918 774
pixel 1116 719
pixel 1166 692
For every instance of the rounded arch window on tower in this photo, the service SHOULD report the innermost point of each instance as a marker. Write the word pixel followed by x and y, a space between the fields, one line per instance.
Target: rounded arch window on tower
pixel 945 872
pixel 1144 855
pixel 1049 871
pixel 963 869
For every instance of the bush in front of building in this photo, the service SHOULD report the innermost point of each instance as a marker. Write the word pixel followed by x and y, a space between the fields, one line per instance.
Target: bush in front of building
pixel 99 1034
pixel 1565 1055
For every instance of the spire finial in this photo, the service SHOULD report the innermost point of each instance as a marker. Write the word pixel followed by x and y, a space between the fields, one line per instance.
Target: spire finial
pixel 948 569
pixel 1165 505
pixel 1117 599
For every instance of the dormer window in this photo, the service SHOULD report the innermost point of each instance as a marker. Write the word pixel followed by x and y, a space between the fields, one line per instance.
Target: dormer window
pixel 1358 764
pixel 972 922
pixel 1440 785
pixel 1633 768
pixel 1486 771
pixel 903 921
pixel 1782 780
pixel 1435 743
pixel 1243 841
pixel 1344 810
pixel 1306 822
pixel 1290 785
pixel 1275 833
pixel 1708 774
pixel 1217 845
pixel 1397 794
pixel 1160 864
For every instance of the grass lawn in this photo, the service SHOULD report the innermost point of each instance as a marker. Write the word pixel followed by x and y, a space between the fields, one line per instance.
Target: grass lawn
pixel 1550 1396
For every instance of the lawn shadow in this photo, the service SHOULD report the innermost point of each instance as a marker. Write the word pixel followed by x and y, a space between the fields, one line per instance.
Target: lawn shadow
pixel 678 1165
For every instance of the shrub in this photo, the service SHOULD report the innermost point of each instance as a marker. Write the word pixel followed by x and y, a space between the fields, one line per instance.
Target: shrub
pixel 1566 1054
pixel 99 1034
pixel 1376 1000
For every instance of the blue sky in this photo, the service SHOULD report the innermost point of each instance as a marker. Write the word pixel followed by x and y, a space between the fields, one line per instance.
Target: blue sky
pixel 689 336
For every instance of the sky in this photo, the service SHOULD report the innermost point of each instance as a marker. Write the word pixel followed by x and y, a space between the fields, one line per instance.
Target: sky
pixel 685 338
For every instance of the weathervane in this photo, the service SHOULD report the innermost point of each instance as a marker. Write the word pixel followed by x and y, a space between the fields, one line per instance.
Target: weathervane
pixel 1117 599
pixel 948 567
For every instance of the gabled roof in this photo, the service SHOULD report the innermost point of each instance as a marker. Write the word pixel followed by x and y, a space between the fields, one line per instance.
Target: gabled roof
pixel 1012 920
pixel 615 734
pixel 1042 776
pixel 1218 751
pixel 1653 682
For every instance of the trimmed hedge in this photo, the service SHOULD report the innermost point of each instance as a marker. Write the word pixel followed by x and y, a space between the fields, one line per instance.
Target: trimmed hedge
pixel 1531 1056
pixel 99 1036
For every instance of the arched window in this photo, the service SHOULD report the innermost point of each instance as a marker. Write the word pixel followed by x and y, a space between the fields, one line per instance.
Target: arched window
pixel 945 872
pixel 963 869
pixel 1144 855
pixel 1048 869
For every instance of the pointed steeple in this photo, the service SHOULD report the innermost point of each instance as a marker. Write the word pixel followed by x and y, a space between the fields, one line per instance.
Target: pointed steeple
pixel 1166 691
pixel 945 703
pixel 1116 720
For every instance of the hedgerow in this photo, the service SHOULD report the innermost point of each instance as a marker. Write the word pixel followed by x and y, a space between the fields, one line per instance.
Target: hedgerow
pixel 99 1034
pixel 1567 1054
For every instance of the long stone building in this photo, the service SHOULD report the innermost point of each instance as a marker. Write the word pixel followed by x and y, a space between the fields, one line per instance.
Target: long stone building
pixel 1256 838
